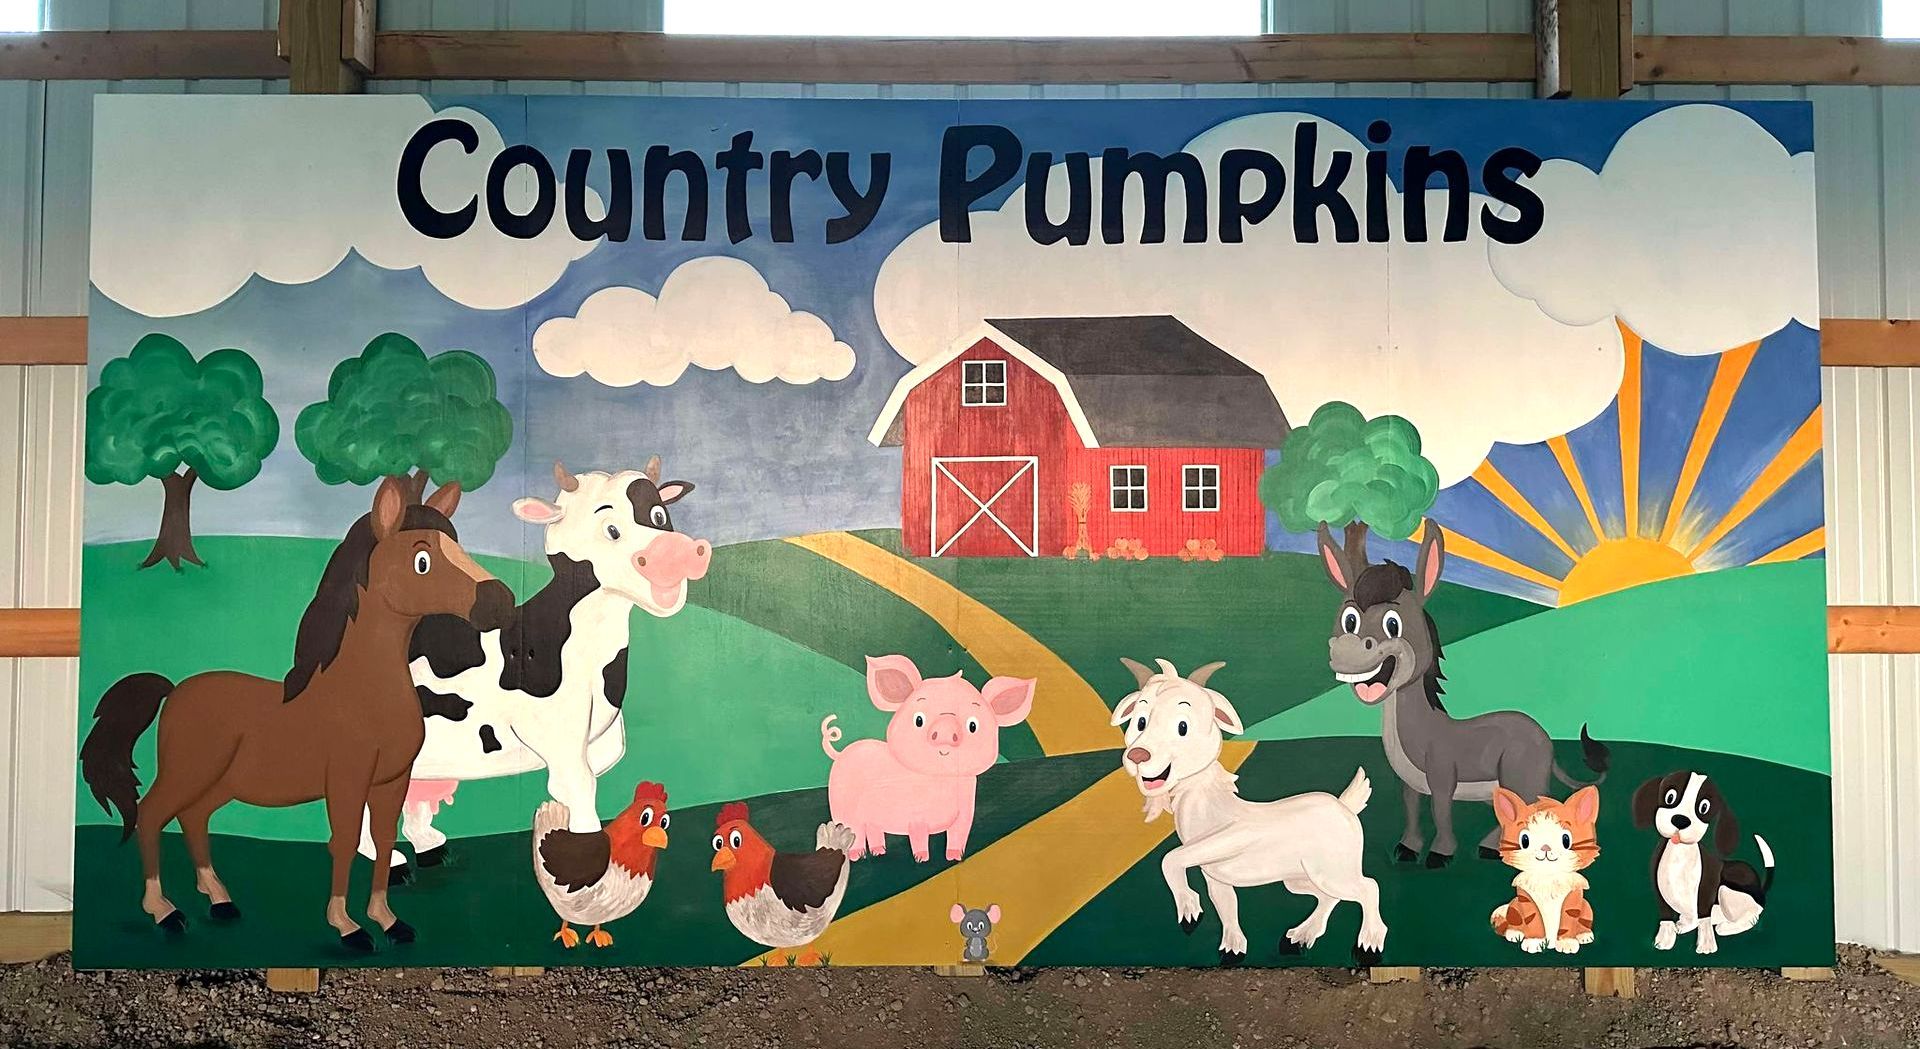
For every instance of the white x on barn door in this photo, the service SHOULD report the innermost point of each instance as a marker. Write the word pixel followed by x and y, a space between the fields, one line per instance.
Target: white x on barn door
pixel 983 508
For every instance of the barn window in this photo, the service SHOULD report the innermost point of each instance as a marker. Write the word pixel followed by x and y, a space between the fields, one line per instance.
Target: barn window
pixel 1200 487
pixel 1128 486
pixel 983 384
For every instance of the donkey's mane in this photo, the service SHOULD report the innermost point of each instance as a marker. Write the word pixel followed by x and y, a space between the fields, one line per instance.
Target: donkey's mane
pixel 323 626
pixel 1385 582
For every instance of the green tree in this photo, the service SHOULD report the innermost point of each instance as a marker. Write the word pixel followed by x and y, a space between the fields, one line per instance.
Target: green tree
pixel 395 412
pixel 158 413
pixel 1344 467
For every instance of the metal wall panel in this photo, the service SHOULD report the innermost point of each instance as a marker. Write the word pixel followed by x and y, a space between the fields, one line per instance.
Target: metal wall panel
pixel 1869 212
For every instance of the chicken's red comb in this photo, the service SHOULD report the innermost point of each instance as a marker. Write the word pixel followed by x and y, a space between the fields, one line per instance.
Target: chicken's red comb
pixel 650 790
pixel 732 810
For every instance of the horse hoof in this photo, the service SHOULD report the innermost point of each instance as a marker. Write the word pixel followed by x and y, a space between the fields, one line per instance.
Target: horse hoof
pixel 1289 947
pixel 225 912
pixel 400 932
pixel 1489 854
pixel 1187 925
pixel 1232 959
pixel 1402 854
pixel 1364 958
pixel 433 857
pixel 401 875
pixel 174 922
pixel 1437 860
pixel 358 942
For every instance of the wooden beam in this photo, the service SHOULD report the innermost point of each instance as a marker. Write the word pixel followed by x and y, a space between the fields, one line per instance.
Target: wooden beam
pixel 314 36
pixel 33 937
pixel 1579 50
pixel 513 55
pixel 1807 973
pixel 1393 974
pixel 1873 629
pixel 1775 60
pixel 1609 982
pixel 1869 344
pixel 293 981
pixel 357 26
pixel 173 54
pixel 39 632
pixel 43 340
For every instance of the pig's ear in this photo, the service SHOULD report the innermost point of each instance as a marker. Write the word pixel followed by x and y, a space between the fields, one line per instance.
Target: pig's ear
pixel 891 680
pixel 1010 698
pixel 993 913
pixel 957 913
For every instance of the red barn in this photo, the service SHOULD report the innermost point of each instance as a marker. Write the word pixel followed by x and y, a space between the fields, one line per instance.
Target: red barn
pixel 1167 430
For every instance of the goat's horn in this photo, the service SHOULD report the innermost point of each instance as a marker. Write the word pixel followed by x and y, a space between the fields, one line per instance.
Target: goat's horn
pixel 1201 674
pixel 652 469
pixel 564 478
pixel 1141 675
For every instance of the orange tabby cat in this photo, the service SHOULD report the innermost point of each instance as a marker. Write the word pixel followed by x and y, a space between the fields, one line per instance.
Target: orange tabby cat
pixel 1549 842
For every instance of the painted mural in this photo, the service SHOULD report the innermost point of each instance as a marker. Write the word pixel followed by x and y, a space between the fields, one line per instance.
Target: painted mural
pixel 653 531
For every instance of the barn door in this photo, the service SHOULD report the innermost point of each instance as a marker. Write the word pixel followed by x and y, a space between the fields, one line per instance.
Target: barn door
pixel 985 506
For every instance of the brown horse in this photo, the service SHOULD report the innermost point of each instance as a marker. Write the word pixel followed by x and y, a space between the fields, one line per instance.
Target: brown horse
pixel 344 725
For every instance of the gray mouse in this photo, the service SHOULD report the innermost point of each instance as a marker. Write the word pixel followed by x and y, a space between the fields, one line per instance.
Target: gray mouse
pixel 975 926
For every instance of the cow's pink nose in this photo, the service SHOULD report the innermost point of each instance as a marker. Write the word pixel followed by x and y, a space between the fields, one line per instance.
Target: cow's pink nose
pixel 1138 755
pixel 672 559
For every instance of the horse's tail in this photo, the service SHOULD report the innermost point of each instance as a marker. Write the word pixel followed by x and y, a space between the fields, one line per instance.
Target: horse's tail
pixel 829 735
pixel 106 757
pixel 1597 756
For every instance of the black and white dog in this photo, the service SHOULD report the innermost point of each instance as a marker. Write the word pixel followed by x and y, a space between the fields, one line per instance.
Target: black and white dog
pixel 1699 888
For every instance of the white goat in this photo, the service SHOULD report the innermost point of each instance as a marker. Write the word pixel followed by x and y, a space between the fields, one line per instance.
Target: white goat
pixel 1311 843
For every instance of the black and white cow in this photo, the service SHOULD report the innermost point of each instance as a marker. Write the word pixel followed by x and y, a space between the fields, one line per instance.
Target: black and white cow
pixel 547 689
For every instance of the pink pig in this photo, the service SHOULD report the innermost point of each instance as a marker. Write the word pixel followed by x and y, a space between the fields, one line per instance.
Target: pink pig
pixel 943 735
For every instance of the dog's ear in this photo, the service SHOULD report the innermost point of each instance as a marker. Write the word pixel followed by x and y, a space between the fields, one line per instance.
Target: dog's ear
pixel 1646 801
pixel 1726 830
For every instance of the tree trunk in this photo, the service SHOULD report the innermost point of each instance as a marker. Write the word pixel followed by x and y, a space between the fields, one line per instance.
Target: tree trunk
pixel 175 541
pixel 416 485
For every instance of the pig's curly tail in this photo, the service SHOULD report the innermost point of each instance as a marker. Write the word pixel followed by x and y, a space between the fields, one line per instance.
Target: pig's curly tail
pixel 829 735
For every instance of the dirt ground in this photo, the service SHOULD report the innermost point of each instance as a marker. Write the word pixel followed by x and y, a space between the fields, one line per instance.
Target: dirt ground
pixel 49 1004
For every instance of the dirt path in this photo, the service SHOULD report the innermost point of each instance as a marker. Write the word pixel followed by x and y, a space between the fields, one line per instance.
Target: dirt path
pixel 50 1005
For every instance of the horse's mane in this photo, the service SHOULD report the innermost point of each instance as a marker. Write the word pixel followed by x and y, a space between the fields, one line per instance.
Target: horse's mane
pixel 1384 582
pixel 324 624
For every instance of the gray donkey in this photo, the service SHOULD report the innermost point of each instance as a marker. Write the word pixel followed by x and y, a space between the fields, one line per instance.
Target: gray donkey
pixel 1386 648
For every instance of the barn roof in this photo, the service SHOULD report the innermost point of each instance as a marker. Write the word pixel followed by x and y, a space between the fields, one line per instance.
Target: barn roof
pixel 1138 382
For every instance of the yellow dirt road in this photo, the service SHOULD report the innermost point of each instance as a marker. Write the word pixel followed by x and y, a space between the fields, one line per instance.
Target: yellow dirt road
pixel 1068 715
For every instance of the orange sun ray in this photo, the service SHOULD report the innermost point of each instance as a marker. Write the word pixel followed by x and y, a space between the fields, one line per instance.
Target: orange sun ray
pixel 1795 549
pixel 1460 546
pixel 1629 402
pixel 1795 453
pixel 1713 414
pixel 1564 453
pixel 1493 481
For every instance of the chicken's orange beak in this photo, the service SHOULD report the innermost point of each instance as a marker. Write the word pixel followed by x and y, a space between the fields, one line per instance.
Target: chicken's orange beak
pixel 723 860
pixel 654 837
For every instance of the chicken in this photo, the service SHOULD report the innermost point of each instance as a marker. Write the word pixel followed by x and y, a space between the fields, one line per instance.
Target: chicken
pixel 598 877
pixel 779 899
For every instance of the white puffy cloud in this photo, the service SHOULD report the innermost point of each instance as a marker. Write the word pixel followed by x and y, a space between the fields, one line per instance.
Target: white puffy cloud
pixel 1422 330
pixel 715 312
pixel 1698 232
pixel 192 196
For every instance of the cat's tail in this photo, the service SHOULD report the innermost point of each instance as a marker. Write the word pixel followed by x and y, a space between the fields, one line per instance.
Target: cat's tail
pixel 1358 793
pixel 1766 860
pixel 1597 757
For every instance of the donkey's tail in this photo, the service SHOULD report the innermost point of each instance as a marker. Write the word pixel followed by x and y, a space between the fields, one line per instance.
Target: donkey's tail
pixel 1597 756
pixel 829 735
pixel 106 756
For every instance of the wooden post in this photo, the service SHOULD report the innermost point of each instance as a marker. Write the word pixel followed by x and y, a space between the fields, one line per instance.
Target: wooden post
pixel 517 970
pixel 1610 982
pixel 960 970
pixel 1394 974
pixel 293 981
pixel 1585 48
pixel 26 937
pixel 1807 973
pixel 327 43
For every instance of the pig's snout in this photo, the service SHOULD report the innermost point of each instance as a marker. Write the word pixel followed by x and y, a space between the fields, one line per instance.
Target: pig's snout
pixel 673 559
pixel 944 731
pixel 1139 755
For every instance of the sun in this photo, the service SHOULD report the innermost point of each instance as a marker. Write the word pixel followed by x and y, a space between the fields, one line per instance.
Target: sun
pixel 1620 563
pixel 1682 537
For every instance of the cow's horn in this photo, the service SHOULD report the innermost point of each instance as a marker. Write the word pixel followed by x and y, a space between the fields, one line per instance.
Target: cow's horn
pixel 564 478
pixel 652 469
pixel 1141 675
pixel 1201 674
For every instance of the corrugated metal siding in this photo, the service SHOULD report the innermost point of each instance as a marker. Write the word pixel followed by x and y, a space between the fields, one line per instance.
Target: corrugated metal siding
pixel 1869 213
